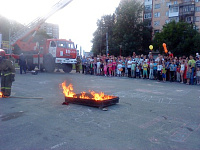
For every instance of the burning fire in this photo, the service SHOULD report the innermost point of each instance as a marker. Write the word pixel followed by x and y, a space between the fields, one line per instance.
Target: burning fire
pixel 68 92
pixel 1 94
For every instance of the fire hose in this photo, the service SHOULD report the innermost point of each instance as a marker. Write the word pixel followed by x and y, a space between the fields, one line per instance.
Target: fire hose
pixel 21 97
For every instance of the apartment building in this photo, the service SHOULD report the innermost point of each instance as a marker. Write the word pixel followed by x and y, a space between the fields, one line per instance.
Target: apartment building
pixel 160 12
pixel 51 29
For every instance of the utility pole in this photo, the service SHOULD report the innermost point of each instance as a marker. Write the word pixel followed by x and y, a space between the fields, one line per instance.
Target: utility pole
pixel 107 51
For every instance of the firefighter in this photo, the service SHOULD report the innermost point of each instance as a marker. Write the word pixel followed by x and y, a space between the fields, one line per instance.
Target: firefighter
pixel 22 63
pixel 78 63
pixel 7 74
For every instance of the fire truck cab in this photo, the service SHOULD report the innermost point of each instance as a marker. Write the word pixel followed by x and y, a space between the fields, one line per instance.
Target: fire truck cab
pixel 58 53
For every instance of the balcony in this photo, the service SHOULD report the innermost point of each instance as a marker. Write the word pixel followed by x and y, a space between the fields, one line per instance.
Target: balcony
pixel 187 10
pixel 187 13
pixel 186 2
pixel 173 14
pixel 173 10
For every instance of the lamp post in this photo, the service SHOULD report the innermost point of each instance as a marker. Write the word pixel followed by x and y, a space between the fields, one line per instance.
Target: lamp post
pixel 107 51
pixel 120 52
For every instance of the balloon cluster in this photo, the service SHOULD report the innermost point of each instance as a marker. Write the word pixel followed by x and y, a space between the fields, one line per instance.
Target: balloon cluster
pixel 165 48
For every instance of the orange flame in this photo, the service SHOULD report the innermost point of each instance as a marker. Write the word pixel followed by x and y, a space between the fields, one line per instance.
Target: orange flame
pixel 99 96
pixel 1 94
pixel 83 96
pixel 68 92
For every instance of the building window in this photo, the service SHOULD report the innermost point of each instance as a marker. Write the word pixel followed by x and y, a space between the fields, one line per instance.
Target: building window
pixel 167 13
pixel 168 4
pixel 188 19
pixel 197 19
pixel 196 1
pixel 157 6
pixel 173 9
pixel 147 15
pixel 188 8
pixel 197 9
pixel 148 7
pixel 156 31
pixel 167 21
pixel 175 2
pixel 156 23
pixel 156 15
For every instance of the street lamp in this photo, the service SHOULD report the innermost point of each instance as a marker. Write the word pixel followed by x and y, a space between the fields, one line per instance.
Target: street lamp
pixel 107 51
pixel 120 52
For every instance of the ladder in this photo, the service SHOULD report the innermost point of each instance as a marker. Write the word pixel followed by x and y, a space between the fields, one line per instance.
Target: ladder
pixel 36 23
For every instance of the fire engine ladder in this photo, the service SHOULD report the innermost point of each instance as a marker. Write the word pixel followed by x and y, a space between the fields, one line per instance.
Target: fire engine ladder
pixel 35 24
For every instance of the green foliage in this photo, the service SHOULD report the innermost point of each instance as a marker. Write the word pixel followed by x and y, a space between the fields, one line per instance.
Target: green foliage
pixel 125 28
pixel 180 38
pixel 105 25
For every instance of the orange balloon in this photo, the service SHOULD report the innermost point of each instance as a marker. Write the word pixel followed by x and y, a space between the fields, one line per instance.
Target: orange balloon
pixel 164 45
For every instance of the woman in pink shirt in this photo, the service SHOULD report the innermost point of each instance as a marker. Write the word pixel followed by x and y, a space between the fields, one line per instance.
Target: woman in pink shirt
pixel 114 65
pixel 110 68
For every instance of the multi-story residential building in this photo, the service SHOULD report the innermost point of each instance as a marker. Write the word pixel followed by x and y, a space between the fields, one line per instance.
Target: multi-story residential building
pixel 51 29
pixel 160 12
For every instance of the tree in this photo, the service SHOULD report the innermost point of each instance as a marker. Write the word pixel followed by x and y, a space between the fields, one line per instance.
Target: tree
pixel 125 28
pixel 127 31
pixel 105 25
pixel 180 38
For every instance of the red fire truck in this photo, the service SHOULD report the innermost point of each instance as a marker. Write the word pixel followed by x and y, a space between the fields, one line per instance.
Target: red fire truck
pixel 47 54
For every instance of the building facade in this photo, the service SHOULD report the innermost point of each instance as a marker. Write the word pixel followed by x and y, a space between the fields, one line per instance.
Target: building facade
pixel 159 12
pixel 51 29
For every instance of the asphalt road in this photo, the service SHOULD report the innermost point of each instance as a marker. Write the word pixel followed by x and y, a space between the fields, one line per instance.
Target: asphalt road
pixel 150 115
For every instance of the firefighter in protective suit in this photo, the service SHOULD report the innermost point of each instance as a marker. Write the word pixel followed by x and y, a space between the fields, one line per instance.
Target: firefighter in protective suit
pixel 7 74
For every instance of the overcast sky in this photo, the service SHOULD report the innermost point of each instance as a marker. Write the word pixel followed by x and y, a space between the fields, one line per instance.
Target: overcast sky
pixel 77 21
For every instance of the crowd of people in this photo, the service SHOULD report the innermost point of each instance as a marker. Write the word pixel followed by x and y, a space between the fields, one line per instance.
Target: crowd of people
pixel 162 67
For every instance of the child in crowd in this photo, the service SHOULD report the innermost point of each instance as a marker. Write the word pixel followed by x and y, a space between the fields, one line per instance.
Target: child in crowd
pixel 137 71
pixel 92 67
pixel 123 67
pixel 129 64
pixel 133 66
pixel 101 68
pixel 98 67
pixel 198 76
pixel 105 68
pixel 178 75
pixel 172 69
pixel 141 67
pixel 151 70
pixel 164 73
pixel 159 70
pixel 119 69
pixel 188 75
pixel 155 70
pixel 114 65
pixel 182 70
pixel 145 66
